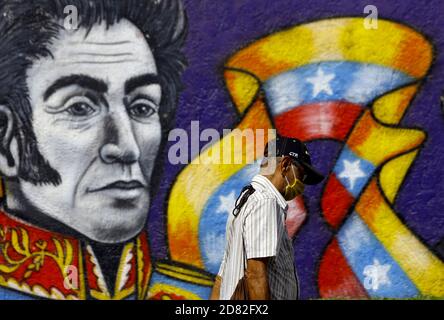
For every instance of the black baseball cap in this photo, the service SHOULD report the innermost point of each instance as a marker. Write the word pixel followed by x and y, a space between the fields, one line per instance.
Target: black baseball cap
pixel 297 150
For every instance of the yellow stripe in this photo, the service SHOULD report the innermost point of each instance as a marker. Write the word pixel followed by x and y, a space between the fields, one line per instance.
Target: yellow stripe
pixel 420 265
pixel 391 107
pixel 393 174
pixel 167 267
pixel 167 289
pixel 185 277
pixel 391 45
pixel 378 143
pixel 82 273
pixel 242 87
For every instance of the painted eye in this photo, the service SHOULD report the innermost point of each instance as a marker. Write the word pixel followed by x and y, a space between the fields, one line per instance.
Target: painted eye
pixel 141 110
pixel 80 109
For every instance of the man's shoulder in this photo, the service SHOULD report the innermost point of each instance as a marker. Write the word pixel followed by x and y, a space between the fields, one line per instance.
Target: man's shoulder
pixel 262 187
pixel 258 199
pixel 262 193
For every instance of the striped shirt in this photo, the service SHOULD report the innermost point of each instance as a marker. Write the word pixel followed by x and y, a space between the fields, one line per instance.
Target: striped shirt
pixel 259 231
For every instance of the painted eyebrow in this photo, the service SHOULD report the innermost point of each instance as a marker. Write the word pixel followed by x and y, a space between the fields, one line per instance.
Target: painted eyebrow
pixel 140 81
pixel 79 80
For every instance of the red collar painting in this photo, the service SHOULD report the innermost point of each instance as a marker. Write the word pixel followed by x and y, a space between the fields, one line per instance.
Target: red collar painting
pixel 54 266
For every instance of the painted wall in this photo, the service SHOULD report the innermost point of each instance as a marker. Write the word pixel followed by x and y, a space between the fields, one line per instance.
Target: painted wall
pixel 367 102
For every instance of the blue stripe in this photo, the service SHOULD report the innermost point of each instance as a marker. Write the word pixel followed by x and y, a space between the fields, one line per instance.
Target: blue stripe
pixel 7 294
pixel 363 252
pixel 353 184
pixel 353 82
pixel 213 222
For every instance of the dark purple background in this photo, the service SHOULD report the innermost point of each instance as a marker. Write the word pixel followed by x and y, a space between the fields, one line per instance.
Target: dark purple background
pixel 220 28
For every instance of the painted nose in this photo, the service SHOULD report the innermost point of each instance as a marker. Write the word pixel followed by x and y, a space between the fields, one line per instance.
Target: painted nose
pixel 120 142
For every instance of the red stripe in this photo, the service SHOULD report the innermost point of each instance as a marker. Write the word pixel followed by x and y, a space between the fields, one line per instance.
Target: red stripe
pixel 335 201
pixel 335 278
pixel 332 120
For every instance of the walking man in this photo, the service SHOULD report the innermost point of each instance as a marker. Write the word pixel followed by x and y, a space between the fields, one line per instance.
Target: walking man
pixel 258 263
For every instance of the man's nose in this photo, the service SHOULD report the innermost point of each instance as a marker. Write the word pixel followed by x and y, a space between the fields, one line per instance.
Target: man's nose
pixel 120 142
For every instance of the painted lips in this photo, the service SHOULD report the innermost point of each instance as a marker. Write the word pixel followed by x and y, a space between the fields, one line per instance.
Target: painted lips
pixel 121 185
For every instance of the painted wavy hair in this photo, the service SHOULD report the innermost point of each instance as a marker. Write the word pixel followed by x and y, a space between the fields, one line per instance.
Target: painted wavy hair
pixel 27 28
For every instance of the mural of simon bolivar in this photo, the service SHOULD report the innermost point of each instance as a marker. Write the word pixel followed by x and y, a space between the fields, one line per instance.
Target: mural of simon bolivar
pixel 83 117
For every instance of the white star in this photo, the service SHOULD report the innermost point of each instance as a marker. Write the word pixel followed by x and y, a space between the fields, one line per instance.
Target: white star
pixel 376 275
pixel 227 203
pixel 321 83
pixel 352 172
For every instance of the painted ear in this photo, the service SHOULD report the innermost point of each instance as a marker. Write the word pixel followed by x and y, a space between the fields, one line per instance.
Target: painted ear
pixel 8 165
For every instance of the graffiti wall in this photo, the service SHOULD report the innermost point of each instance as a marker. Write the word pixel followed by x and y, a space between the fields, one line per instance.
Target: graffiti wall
pixel 93 92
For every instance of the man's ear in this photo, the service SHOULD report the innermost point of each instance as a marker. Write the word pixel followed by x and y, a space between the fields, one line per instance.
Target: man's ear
pixel 8 144
pixel 285 164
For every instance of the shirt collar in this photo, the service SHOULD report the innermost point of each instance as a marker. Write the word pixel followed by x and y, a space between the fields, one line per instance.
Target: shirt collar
pixel 266 183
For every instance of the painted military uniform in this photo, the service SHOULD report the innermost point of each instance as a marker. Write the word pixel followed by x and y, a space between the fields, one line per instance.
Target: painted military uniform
pixel 36 263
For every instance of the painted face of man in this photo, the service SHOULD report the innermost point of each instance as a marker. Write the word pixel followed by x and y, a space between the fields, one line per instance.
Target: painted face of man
pixel 95 116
